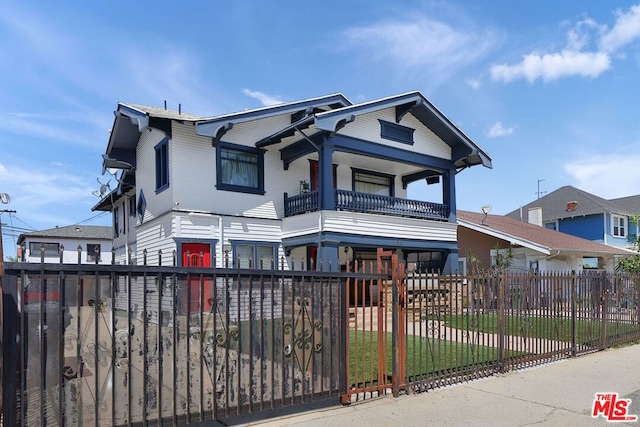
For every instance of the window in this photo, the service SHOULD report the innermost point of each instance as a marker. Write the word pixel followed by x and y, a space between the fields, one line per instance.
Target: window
pixel 162 165
pixel 50 249
pixel 240 168
pixel 619 226
pixel 116 221
pixel 132 205
pixel 373 183
pixel 257 255
pixel 590 263
pixel 142 206
pixel 93 252
pixel 396 132
pixel 551 226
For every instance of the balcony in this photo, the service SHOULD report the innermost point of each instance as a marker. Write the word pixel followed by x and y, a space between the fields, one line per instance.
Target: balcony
pixel 368 203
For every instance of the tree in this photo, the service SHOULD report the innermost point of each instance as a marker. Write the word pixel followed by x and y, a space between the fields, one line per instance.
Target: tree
pixel 631 264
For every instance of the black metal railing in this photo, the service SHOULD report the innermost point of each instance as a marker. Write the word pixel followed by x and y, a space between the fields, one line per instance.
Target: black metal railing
pixel 365 202
pixel 133 344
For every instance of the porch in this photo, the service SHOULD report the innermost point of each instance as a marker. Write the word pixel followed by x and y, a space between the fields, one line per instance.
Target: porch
pixel 354 201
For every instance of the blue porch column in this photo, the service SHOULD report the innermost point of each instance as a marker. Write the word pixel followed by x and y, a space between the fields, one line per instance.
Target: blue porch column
pixel 451 264
pixel 327 256
pixel 449 194
pixel 325 175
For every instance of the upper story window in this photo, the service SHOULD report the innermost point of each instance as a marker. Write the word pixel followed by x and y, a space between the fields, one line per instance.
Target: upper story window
pixel 396 132
pixel 239 168
pixel 162 165
pixel 618 226
pixel 116 221
pixel 50 249
pixel 373 183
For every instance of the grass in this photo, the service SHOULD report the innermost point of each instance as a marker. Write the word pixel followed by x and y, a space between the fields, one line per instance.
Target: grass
pixel 559 329
pixel 426 357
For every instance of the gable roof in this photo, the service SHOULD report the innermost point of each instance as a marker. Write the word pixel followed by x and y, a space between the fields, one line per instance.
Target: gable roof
pixel 554 205
pixel 76 232
pixel 532 236
pixel 464 151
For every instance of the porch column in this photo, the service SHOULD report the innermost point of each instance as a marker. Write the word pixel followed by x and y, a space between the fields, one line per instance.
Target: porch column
pixel 449 194
pixel 325 176
pixel 327 257
pixel 451 264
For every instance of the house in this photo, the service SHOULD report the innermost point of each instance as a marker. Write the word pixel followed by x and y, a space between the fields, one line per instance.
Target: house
pixel 576 212
pixel 312 183
pixel 84 244
pixel 535 248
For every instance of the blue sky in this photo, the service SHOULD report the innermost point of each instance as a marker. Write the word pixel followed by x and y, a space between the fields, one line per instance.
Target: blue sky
pixel 548 89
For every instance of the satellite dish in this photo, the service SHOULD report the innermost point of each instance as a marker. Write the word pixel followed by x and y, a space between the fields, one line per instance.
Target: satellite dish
pixel 103 189
pixel 5 198
pixel 486 209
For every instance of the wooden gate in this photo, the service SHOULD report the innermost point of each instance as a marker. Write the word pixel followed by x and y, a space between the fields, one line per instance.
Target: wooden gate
pixel 376 337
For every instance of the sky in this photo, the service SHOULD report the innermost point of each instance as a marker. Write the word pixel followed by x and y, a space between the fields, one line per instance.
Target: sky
pixel 550 90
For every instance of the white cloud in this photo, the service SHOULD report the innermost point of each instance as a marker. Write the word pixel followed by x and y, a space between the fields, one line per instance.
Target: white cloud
pixel 625 30
pixel 498 130
pixel 581 56
pixel 420 42
pixel 473 83
pixel 47 194
pixel 265 99
pixel 597 173
pixel 552 66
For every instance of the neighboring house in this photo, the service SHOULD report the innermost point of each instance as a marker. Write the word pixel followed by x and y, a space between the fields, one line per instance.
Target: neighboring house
pixel 535 248
pixel 576 212
pixel 319 181
pixel 95 243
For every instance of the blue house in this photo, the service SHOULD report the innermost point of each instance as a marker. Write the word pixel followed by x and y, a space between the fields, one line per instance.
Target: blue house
pixel 576 212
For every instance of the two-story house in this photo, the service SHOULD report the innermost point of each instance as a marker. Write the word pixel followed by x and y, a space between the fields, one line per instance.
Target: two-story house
pixel 579 213
pixel 319 181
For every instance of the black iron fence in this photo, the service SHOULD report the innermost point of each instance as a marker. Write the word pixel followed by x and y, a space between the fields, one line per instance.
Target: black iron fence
pixel 127 345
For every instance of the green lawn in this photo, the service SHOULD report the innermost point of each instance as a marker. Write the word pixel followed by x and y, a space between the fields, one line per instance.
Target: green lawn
pixel 426 357
pixel 559 329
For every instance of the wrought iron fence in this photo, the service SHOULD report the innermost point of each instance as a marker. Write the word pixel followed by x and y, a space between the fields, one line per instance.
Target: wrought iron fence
pixel 122 344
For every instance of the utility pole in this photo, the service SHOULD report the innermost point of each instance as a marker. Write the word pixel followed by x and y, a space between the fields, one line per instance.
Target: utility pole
pixel 540 192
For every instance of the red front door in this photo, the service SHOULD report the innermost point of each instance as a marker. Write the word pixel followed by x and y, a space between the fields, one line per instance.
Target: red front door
pixel 200 291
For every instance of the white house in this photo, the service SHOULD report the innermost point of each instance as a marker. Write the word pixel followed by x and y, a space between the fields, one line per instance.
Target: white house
pixel 321 180
pixel 83 244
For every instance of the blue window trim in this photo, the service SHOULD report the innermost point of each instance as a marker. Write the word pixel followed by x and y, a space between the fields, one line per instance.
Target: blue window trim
pixel 392 179
pixel 396 132
pixel 180 240
pixel 116 221
pixel 239 188
pixel 255 244
pixel 162 165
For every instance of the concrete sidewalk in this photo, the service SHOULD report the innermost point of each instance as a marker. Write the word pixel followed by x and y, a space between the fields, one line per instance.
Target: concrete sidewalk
pixel 555 394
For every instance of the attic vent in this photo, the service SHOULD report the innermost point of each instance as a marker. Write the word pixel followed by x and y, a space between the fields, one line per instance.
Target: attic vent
pixel 571 206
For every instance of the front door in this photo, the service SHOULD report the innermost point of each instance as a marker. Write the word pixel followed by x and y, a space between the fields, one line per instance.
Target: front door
pixel 200 294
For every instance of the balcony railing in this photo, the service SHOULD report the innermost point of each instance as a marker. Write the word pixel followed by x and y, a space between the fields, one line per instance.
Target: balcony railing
pixel 370 203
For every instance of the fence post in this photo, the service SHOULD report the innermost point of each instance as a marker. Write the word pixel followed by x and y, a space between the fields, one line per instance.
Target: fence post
pixel 604 291
pixel 10 363
pixel 395 314
pixel 573 314
pixel 501 322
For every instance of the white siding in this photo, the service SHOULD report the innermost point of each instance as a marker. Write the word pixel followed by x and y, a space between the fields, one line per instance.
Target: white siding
pixel 157 204
pixel 367 127
pixel 70 254
pixel 369 225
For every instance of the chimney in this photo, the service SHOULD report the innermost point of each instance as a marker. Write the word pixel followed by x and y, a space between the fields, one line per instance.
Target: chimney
pixel 571 206
pixel 535 216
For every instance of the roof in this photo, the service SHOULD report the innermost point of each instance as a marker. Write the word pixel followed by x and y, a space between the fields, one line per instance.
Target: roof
pixel 76 232
pixel 629 203
pixel 554 205
pixel 533 236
